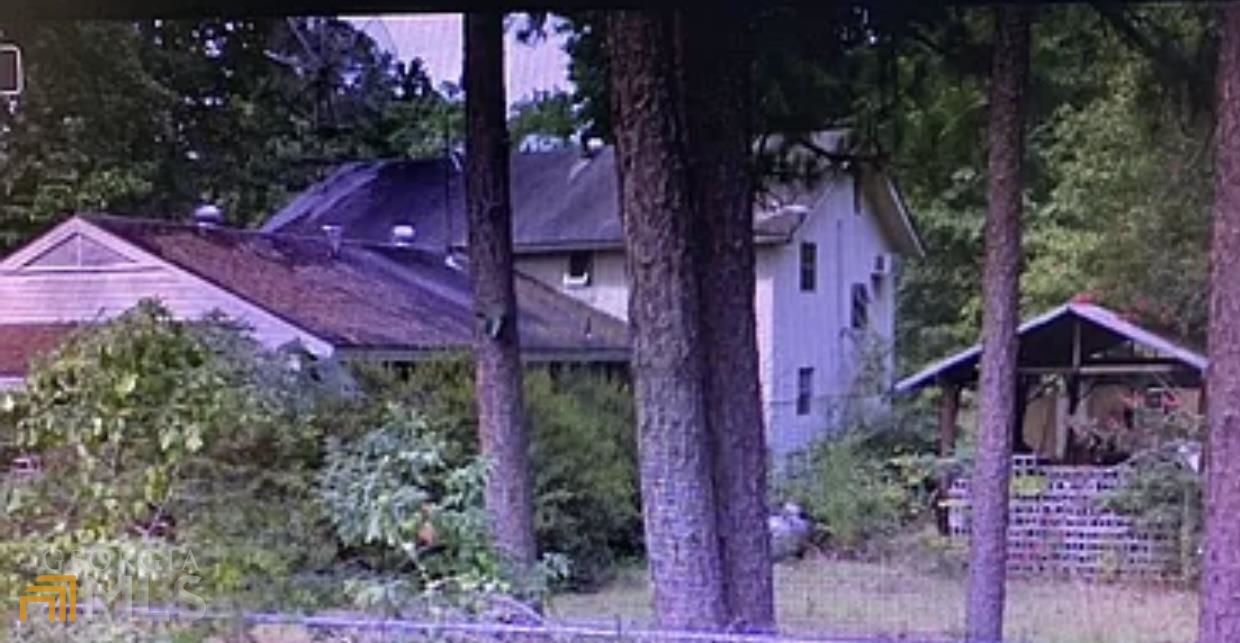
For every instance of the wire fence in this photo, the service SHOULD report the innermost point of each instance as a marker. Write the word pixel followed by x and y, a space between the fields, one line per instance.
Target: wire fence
pixel 285 628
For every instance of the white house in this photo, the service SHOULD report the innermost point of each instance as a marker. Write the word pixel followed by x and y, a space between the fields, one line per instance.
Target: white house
pixel 828 257
pixel 336 299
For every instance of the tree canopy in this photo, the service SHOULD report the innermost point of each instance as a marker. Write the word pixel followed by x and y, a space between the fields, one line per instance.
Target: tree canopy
pixel 153 117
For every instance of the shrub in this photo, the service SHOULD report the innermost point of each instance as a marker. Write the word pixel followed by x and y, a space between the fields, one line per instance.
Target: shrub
pixel 394 491
pixel 1163 493
pixel 147 429
pixel 867 483
pixel 583 449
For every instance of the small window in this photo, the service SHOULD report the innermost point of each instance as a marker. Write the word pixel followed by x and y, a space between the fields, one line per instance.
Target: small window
pixel 580 269
pixel 859 319
pixel 809 267
pixel 805 390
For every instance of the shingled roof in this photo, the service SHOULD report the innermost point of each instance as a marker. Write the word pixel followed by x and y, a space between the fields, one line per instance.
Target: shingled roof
pixel 561 200
pixel 367 298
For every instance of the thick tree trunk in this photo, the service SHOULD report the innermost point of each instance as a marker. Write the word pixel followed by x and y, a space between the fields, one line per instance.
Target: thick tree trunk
pixel 682 541
pixel 1000 291
pixel 1220 578
pixel 715 61
pixel 501 410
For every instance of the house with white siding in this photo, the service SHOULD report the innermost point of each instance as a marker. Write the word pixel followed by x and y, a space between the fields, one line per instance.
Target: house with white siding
pixel 334 298
pixel 829 250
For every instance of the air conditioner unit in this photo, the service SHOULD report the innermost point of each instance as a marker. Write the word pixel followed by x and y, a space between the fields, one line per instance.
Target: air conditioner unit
pixel 577 281
pixel 884 265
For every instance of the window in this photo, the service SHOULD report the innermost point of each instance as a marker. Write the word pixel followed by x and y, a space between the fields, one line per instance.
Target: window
pixel 580 269
pixel 809 267
pixel 805 390
pixel 859 319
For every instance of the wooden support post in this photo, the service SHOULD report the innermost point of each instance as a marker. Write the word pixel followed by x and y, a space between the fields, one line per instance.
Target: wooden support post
pixel 1018 423
pixel 949 411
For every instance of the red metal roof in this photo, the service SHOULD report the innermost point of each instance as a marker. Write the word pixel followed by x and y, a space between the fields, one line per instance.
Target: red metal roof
pixel 21 343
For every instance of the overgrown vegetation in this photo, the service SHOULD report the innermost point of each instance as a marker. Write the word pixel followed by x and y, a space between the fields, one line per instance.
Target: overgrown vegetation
pixel 584 453
pixel 1164 489
pixel 868 484
pixel 291 482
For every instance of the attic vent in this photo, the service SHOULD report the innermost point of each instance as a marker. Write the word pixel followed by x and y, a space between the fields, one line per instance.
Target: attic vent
pixel 403 234
pixel 208 215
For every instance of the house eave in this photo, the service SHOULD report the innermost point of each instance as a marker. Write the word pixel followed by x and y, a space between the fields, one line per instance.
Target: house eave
pixel 529 355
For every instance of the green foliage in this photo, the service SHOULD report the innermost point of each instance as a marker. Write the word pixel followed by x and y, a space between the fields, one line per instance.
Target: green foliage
pixel 546 114
pixel 394 490
pixel 1163 487
pixel 585 471
pixel 152 117
pixel 866 485
pixel 145 430
pixel 583 452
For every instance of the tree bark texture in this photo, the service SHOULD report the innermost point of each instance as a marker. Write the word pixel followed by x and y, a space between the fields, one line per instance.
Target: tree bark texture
pixel 679 503
pixel 1000 292
pixel 502 423
pixel 715 63
pixel 1220 577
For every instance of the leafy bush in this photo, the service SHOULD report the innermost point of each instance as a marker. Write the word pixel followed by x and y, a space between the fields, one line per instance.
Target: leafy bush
pixel 393 490
pixel 1163 493
pixel 585 471
pixel 868 483
pixel 146 429
pixel 583 452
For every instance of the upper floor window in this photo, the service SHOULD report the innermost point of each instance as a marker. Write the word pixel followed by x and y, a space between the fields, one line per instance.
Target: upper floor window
pixel 580 270
pixel 859 317
pixel 805 390
pixel 809 267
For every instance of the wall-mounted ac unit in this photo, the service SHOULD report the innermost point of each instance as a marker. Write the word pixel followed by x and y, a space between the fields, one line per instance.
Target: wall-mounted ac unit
pixel 577 281
pixel 884 265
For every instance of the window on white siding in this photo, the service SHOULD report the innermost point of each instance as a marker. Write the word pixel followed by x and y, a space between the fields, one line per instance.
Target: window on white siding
pixel 580 270
pixel 809 267
pixel 859 317
pixel 805 390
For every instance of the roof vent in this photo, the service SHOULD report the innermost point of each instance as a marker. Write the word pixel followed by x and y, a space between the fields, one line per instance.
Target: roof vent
pixel 208 215
pixel 335 237
pixel 403 234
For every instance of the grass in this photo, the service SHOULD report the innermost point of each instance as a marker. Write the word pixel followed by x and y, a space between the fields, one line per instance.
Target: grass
pixel 840 598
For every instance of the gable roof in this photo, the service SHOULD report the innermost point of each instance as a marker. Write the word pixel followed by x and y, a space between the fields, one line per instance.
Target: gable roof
pixel 367 299
pixel 1046 339
pixel 561 200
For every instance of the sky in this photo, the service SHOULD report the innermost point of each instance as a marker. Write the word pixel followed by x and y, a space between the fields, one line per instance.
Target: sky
pixel 437 40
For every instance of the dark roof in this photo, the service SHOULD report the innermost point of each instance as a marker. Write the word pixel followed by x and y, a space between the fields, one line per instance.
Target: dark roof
pixel 560 199
pixel 20 344
pixel 368 297
pixel 1047 341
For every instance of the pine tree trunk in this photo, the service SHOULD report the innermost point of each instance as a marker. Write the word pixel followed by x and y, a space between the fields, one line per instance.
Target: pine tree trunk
pixel 715 64
pixel 1000 293
pixel 502 423
pixel 1220 577
pixel 678 497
